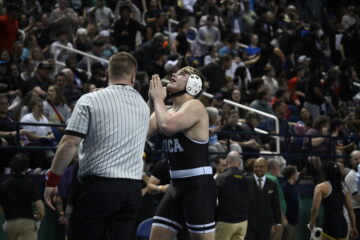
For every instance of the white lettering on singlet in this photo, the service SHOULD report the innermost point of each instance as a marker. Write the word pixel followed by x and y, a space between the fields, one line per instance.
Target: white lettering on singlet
pixel 172 145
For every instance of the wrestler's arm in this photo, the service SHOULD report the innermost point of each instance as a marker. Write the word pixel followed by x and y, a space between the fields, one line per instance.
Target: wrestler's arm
pixel 186 117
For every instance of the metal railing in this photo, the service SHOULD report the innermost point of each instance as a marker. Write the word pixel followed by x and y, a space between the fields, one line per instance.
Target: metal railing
pixel 169 32
pixel 264 114
pixel 87 55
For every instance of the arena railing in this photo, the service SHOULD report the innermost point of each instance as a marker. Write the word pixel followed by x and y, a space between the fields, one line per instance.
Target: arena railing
pixel 87 55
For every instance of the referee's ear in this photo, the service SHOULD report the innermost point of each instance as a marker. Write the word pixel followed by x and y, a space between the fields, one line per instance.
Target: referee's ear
pixel 133 78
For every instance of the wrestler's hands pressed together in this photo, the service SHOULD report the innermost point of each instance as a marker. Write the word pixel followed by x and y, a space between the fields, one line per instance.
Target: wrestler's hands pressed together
pixel 156 90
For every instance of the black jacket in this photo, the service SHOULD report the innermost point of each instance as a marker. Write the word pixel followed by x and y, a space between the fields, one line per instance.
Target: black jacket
pixel 234 195
pixel 265 205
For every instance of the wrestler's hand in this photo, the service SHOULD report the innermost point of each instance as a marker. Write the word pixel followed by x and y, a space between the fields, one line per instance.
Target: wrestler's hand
pixel 156 90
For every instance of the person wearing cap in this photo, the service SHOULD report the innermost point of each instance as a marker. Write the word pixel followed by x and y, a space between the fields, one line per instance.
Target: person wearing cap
pixel 191 198
pixel 9 26
pixel 108 48
pixel 82 40
pixel 171 66
pixel 41 79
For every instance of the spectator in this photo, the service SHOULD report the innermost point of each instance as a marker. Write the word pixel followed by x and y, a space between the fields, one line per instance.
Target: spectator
pixel 9 26
pixel 125 29
pixel 215 73
pixel 39 135
pixel 17 196
pixel 314 96
pixel 280 111
pixel 55 108
pixel 62 38
pixel 63 19
pixel 274 174
pixel 28 72
pixel 270 82
pixel 135 12
pixel 158 26
pixel 32 8
pixel 82 40
pixel 29 43
pixel 234 194
pixel 108 49
pixel 41 79
pixel 248 17
pixel 41 32
pixel 37 54
pixel 181 45
pixel 262 102
pixel 319 144
pixel 292 197
pixel 157 66
pixel 230 48
pixel 152 12
pixel 221 165
pixel 73 87
pixel 212 57
pixel 101 15
pixel 214 127
pixel 98 75
pixel 146 53
pixel 208 35
pixel 8 132
pixel 96 50
pixel 254 142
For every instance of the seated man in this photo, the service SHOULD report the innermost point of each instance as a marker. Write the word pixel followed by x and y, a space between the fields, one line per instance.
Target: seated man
pixel 7 132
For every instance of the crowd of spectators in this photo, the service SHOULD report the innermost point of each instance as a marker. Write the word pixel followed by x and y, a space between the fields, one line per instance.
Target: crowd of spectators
pixel 294 59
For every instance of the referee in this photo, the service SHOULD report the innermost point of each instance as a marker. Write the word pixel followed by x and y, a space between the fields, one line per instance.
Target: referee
pixel 109 129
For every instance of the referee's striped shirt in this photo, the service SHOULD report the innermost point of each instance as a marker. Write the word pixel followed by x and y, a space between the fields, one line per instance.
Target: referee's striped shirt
pixel 113 123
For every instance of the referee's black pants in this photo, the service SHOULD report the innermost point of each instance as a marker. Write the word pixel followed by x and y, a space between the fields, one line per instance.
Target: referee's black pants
pixel 357 218
pixel 105 209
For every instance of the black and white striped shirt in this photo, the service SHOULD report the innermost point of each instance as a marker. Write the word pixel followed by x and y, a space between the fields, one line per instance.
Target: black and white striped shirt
pixel 113 123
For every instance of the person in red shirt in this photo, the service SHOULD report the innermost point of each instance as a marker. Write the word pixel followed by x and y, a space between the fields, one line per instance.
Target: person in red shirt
pixel 9 26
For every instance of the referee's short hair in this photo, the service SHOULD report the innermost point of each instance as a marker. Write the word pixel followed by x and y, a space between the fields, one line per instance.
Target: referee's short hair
pixel 122 64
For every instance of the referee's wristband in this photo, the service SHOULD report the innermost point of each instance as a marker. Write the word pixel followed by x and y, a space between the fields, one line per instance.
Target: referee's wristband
pixel 52 179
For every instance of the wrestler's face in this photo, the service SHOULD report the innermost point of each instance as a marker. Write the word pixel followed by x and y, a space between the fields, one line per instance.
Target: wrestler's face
pixel 177 82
